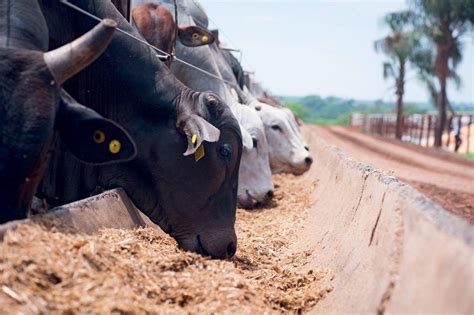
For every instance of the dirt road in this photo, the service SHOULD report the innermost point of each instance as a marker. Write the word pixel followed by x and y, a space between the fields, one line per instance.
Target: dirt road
pixel 443 177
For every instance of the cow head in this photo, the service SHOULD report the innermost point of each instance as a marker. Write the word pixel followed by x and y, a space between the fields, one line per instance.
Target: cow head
pixel 194 36
pixel 288 151
pixel 156 24
pixel 33 105
pixel 255 176
pixel 185 179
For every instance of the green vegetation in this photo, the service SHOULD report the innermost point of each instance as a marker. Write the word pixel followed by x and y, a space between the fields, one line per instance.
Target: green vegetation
pixel 299 110
pixel 470 156
pixel 322 111
pixel 336 111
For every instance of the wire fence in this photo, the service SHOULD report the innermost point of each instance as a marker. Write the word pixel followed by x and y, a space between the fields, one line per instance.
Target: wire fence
pixel 420 129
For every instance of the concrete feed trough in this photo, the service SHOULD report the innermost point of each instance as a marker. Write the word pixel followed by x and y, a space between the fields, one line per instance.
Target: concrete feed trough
pixel 390 248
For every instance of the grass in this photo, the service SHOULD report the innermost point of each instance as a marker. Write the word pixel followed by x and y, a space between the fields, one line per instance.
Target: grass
pixel 469 156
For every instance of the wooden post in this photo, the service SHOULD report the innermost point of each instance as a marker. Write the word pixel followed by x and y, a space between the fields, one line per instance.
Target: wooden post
pixel 415 129
pixel 457 137
pixel 469 134
pixel 449 127
pixel 422 126
pixel 412 128
pixel 404 125
pixel 428 131
pixel 393 126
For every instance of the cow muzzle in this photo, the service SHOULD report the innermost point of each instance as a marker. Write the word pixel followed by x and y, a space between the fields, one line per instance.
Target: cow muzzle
pixel 220 244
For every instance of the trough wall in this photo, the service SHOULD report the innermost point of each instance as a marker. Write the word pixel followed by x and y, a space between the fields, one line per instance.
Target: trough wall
pixel 111 209
pixel 391 249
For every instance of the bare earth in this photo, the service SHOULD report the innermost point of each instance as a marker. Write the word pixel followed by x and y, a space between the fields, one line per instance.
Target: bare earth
pixel 443 177
pixel 49 270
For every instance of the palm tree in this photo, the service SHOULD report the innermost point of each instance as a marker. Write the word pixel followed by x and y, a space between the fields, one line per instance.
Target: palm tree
pixel 423 60
pixel 444 22
pixel 399 46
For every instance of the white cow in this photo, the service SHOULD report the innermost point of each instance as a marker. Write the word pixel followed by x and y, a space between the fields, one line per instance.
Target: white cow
pixel 288 151
pixel 255 184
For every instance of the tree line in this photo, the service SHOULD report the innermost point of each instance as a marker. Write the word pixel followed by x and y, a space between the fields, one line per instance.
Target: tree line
pixel 426 38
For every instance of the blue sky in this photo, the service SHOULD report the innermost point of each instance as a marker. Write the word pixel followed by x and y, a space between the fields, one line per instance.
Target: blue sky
pixel 321 47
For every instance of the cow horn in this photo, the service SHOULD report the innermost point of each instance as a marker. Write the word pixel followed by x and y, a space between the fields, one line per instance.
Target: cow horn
pixel 66 61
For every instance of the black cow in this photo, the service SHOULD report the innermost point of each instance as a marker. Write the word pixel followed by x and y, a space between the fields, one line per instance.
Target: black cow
pixel 192 197
pixel 234 64
pixel 32 104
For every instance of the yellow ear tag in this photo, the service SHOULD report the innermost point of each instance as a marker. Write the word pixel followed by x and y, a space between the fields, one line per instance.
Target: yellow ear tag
pixel 194 139
pixel 115 146
pixel 199 154
pixel 196 36
pixel 205 39
pixel 99 136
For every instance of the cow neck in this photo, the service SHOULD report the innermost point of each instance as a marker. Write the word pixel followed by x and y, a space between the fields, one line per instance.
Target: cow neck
pixel 227 73
pixel 22 25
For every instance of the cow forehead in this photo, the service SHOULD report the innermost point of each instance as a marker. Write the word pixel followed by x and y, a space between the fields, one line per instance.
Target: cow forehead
pixel 273 115
pixel 189 12
pixel 251 118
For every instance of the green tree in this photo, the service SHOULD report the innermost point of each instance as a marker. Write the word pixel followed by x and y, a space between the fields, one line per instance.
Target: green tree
pixel 299 110
pixel 399 46
pixel 444 22
pixel 423 61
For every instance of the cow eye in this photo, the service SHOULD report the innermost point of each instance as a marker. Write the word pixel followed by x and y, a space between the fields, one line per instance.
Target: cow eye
pixel 255 143
pixel 225 151
pixel 276 127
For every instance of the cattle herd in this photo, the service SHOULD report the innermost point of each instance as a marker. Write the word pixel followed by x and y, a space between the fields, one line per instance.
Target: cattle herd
pixel 187 143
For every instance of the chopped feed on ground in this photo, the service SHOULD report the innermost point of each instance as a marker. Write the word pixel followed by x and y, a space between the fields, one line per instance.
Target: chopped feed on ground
pixel 46 269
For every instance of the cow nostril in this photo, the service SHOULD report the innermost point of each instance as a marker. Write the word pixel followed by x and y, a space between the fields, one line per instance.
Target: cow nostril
pixel 270 194
pixel 231 249
pixel 306 148
pixel 308 160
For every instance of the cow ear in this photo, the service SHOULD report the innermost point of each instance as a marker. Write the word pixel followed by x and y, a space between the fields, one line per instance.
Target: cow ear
pixel 247 141
pixel 90 137
pixel 194 36
pixel 197 130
